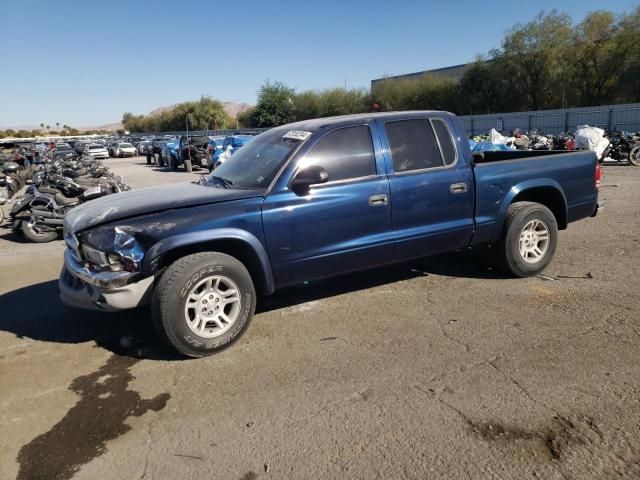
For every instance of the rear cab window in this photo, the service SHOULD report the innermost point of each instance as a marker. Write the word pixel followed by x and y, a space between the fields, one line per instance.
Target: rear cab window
pixel 420 144
pixel 346 153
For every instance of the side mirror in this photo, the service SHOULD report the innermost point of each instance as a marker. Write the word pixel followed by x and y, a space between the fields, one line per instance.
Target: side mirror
pixel 312 175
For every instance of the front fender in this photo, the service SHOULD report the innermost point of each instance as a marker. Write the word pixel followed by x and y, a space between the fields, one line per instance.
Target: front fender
pixel 205 237
pixel 23 204
pixel 518 189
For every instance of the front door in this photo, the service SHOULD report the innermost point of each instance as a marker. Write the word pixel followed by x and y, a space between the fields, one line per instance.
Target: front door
pixel 339 226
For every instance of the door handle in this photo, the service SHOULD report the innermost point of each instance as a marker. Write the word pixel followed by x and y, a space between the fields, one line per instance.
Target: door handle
pixel 458 187
pixel 378 200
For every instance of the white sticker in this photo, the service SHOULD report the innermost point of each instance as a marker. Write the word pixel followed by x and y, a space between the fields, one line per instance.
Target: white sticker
pixel 297 135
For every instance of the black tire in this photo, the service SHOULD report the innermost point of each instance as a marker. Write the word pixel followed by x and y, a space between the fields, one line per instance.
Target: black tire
pixel 634 156
pixel 37 237
pixel 508 256
pixel 176 284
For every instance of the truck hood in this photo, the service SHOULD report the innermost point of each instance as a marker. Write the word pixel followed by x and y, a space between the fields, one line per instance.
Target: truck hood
pixel 149 200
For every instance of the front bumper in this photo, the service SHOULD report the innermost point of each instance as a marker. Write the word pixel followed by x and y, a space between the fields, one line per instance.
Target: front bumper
pixel 81 289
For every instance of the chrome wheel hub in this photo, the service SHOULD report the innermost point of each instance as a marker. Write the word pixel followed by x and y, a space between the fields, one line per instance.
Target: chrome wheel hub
pixel 212 306
pixel 534 241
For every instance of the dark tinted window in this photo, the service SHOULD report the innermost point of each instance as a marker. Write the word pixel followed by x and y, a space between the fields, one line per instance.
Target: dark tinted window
pixel 413 145
pixel 446 142
pixel 344 153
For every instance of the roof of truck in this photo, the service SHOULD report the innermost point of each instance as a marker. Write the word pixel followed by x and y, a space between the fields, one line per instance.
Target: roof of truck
pixel 318 123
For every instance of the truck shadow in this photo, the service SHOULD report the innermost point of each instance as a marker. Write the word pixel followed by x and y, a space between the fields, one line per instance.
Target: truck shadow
pixel 36 312
pixel 459 265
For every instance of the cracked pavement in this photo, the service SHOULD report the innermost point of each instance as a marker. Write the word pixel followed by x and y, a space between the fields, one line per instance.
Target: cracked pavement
pixel 440 368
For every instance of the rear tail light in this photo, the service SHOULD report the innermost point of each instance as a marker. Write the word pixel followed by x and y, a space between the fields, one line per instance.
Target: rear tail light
pixel 598 175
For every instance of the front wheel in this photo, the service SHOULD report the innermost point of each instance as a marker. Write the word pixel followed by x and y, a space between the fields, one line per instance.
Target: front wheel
pixel 37 233
pixel 529 239
pixel 203 302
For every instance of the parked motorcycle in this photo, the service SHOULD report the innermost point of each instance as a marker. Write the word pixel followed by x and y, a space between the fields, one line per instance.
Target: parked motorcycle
pixel 622 148
pixel 58 186
pixel 39 215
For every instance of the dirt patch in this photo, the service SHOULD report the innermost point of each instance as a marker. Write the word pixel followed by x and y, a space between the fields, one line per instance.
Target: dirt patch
pixel 105 403
pixel 555 440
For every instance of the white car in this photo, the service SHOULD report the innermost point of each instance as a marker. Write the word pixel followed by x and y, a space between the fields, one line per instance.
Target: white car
pixel 124 150
pixel 96 151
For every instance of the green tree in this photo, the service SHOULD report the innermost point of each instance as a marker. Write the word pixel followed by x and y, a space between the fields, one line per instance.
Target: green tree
pixel 598 57
pixel 629 35
pixel 275 105
pixel 534 53
pixel 245 119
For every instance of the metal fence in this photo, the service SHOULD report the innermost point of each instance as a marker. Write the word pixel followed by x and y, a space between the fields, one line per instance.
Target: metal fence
pixel 624 117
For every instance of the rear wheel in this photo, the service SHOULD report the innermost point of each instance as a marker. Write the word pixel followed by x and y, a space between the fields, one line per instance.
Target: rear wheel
pixel 529 239
pixel 203 302
pixel 634 156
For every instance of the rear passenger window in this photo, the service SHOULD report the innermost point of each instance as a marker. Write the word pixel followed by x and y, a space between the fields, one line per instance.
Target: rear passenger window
pixel 413 145
pixel 345 153
pixel 446 142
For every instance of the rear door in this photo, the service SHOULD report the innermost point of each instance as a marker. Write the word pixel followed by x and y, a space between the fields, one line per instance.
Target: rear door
pixel 340 226
pixel 431 190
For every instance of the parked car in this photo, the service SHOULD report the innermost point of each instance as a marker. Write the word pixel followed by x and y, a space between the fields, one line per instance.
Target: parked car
pixel 229 145
pixel 81 146
pixel 169 152
pixel 315 199
pixel 96 150
pixel 144 145
pixel 125 150
pixel 63 151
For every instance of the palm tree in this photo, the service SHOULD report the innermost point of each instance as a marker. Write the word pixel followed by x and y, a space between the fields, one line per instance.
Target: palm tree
pixel 48 127
pixel 58 125
pixel 41 126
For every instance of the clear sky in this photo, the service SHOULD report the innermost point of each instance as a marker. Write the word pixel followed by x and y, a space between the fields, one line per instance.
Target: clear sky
pixel 84 63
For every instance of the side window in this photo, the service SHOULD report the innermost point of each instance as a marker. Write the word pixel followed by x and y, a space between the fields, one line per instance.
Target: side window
pixel 344 153
pixel 413 145
pixel 446 142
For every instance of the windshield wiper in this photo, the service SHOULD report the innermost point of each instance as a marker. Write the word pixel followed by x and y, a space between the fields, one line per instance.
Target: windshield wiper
pixel 222 181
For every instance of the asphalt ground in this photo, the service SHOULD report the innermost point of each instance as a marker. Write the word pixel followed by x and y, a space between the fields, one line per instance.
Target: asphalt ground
pixel 441 368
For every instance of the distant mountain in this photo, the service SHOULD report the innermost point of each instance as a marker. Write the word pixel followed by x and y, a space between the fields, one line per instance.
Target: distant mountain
pixel 233 109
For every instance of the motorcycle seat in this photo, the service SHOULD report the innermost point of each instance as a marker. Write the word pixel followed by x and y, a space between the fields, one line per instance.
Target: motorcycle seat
pixel 64 201
pixel 51 191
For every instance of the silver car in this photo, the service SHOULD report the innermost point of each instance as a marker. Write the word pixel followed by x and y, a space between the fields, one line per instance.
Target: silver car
pixel 96 151
pixel 124 150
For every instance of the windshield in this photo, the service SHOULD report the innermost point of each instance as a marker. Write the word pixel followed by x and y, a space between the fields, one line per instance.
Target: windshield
pixel 95 147
pixel 126 145
pixel 255 165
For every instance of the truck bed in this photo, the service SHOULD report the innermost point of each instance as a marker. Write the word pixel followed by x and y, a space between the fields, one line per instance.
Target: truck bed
pixel 501 176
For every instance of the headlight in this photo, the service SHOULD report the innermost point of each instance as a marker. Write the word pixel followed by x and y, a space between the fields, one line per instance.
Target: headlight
pixel 113 248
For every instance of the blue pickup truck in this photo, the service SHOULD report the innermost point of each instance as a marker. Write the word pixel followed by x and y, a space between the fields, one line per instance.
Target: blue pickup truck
pixel 310 200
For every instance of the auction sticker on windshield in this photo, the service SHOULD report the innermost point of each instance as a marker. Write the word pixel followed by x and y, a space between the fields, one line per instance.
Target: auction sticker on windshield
pixel 297 135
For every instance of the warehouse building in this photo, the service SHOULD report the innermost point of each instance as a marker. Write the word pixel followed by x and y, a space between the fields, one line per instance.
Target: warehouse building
pixel 454 72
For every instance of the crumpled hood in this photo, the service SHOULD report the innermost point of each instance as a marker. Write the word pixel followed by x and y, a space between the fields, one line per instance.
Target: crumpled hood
pixel 148 200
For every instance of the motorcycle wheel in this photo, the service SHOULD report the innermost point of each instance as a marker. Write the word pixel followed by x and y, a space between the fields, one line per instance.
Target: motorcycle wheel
pixel 634 156
pixel 1 214
pixel 31 233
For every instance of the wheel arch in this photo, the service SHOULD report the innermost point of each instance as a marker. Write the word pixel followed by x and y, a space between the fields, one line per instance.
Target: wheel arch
pixel 547 192
pixel 238 243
